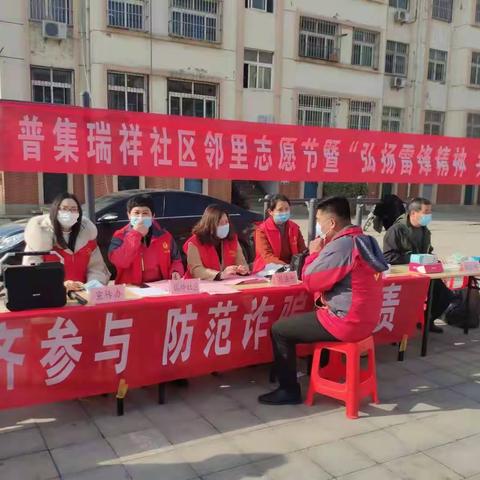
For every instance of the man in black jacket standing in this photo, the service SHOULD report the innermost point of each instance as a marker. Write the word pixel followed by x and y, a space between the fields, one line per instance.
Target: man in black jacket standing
pixel 410 235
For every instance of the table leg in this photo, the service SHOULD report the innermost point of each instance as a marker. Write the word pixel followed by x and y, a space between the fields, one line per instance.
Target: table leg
pixel 120 407
pixel 162 393
pixel 402 346
pixel 467 305
pixel 426 323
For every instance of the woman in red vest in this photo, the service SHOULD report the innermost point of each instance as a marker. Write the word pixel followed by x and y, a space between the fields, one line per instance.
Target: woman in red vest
pixel 73 237
pixel 213 251
pixel 277 238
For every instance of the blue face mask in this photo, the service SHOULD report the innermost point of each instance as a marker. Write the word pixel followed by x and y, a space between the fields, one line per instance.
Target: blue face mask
pixel 425 219
pixel 147 221
pixel 281 218
pixel 222 231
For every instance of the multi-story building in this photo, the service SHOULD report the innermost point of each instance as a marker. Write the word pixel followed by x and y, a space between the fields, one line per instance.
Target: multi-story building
pixel 395 65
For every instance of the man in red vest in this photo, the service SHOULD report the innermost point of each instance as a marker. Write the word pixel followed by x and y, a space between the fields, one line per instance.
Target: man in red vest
pixel 143 251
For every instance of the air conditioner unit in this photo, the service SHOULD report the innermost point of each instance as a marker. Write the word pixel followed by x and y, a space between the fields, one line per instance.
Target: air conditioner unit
pixel 402 16
pixel 52 29
pixel 398 82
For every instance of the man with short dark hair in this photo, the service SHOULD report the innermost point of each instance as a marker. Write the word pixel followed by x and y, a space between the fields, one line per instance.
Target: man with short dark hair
pixel 410 235
pixel 343 272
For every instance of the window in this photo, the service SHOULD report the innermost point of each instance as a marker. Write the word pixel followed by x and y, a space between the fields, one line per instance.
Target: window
pixel 318 39
pixel 257 69
pixel 193 99
pixel 475 69
pixel 437 65
pixel 396 59
pixel 399 4
pixel 477 12
pixel 391 119
pixel 473 125
pixel 126 14
pixel 434 122
pixel 315 111
pixel 56 10
pixel 51 85
pixel 364 51
pixel 442 10
pixel 127 91
pixel 263 5
pixel 195 19
pixel 360 116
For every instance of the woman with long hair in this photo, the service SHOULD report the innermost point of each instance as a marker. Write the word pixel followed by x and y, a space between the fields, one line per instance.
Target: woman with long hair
pixel 277 239
pixel 213 251
pixel 65 231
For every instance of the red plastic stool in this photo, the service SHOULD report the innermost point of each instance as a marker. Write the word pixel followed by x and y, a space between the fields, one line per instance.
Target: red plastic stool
pixel 357 383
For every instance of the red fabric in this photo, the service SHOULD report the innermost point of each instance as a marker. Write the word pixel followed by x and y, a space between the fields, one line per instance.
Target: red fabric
pixel 167 338
pixel 366 287
pixel 268 227
pixel 136 263
pixel 75 264
pixel 231 150
pixel 209 256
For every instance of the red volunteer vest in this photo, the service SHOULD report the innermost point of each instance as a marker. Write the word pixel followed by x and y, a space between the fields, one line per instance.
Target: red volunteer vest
pixel 275 239
pixel 209 256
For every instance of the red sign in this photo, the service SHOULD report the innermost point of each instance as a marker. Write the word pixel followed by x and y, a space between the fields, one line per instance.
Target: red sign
pixel 72 352
pixel 37 137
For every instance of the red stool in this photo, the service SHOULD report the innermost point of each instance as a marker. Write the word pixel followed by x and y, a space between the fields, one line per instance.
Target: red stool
pixel 346 382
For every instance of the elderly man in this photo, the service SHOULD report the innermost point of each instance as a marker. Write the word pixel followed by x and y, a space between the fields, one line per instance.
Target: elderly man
pixel 343 274
pixel 410 235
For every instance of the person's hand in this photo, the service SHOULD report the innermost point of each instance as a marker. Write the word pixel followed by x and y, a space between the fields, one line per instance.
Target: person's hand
pixel 141 228
pixel 229 272
pixel 176 276
pixel 72 286
pixel 242 270
pixel 316 245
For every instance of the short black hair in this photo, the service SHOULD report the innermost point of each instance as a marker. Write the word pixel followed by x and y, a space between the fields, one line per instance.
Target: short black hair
pixel 337 206
pixel 416 204
pixel 143 200
pixel 274 199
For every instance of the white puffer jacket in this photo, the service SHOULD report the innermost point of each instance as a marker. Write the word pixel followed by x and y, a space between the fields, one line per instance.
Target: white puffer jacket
pixel 40 237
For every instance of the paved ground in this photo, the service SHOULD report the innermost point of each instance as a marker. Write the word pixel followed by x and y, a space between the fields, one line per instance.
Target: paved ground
pixel 427 427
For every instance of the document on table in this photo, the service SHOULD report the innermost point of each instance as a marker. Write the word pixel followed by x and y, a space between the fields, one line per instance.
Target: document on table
pixel 248 279
pixel 148 292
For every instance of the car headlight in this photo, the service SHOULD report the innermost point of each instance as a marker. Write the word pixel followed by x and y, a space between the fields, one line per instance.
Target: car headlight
pixel 8 242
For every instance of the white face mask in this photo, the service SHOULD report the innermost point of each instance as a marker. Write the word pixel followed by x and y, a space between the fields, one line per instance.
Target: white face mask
pixel 67 219
pixel 222 231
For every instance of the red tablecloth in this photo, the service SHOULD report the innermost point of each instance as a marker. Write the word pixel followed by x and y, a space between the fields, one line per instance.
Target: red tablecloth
pixel 59 354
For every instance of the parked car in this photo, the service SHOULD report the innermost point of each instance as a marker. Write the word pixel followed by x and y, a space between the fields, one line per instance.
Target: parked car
pixel 176 210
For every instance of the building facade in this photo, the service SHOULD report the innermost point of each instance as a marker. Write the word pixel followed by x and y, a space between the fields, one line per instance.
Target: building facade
pixel 394 65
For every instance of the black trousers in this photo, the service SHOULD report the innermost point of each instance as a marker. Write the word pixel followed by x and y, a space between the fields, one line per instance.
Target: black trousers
pixel 442 296
pixel 286 333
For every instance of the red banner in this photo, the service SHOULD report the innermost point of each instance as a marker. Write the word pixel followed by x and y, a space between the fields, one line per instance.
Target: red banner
pixel 44 138
pixel 53 355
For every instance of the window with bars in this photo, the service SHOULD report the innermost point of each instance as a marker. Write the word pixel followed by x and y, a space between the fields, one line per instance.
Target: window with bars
pixel 475 69
pixel 442 10
pixel 263 5
pixel 193 99
pixel 396 58
pixel 360 115
pixel 437 65
pixel 257 69
pixel 56 10
pixel 365 47
pixel 126 14
pixel 434 122
pixel 51 85
pixel 477 12
pixel 316 111
pixel 399 4
pixel 392 119
pixel 473 125
pixel 127 91
pixel 319 39
pixel 196 19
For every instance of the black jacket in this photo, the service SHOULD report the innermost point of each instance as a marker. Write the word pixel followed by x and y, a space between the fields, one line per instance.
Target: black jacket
pixel 399 242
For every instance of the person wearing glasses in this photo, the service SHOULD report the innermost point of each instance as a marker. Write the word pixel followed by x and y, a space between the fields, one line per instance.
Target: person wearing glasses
pixel 67 232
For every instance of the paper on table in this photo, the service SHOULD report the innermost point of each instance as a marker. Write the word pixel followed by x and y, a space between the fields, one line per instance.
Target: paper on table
pixel 245 280
pixel 216 288
pixel 148 292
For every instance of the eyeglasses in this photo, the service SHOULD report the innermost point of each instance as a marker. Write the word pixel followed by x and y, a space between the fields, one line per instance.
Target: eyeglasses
pixel 69 209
